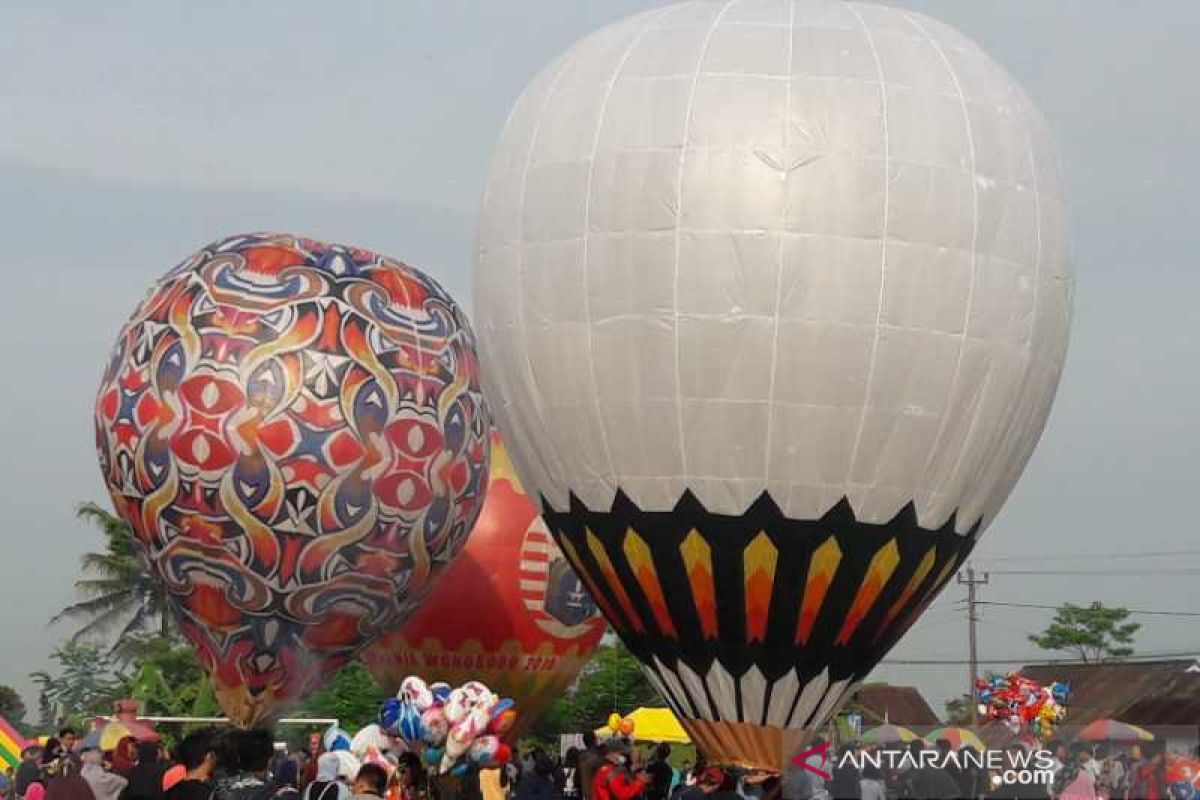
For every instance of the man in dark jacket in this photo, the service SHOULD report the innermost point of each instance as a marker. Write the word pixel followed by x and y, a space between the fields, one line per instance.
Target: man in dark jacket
pixel 29 771
pixel 199 759
pixel 661 773
pixel 590 761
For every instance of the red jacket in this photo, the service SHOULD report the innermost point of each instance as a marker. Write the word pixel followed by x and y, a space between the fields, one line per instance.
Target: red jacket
pixel 614 783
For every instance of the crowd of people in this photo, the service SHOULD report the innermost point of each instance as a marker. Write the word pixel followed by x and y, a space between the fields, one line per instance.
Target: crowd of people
pixel 245 765
pixel 1081 771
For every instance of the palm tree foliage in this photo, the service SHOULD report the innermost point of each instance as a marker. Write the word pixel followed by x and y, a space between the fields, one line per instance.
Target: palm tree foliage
pixel 119 592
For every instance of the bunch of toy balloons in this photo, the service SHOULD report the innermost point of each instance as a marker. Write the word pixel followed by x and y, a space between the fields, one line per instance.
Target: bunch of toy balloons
pixel 1022 702
pixel 620 725
pixel 455 729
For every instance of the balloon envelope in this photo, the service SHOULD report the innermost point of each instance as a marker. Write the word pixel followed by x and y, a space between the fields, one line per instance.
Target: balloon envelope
pixel 773 300
pixel 509 611
pixel 295 432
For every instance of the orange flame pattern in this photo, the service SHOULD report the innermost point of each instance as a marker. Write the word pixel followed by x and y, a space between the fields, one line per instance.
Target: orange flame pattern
pixel 642 564
pixel 614 582
pixel 883 564
pixel 697 559
pixel 821 569
pixel 758 566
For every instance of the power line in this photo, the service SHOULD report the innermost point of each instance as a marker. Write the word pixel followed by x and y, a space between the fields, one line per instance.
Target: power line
pixel 1092 556
pixel 1137 611
pixel 1035 659
pixel 1129 573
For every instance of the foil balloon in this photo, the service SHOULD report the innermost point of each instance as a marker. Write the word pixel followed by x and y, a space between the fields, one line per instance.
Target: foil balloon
pixel 296 434
pixel 509 610
pixel 440 689
pixel 436 726
pixel 336 740
pixel 416 692
pixel 773 300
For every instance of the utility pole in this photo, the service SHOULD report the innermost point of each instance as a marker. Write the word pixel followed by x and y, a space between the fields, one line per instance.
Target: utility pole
pixel 970 581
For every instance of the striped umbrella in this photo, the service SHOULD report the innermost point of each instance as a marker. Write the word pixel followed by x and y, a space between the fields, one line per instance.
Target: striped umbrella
pixel 888 733
pixel 958 738
pixel 1112 730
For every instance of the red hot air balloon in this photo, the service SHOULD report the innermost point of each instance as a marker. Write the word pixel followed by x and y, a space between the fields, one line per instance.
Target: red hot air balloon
pixel 509 611
pixel 295 432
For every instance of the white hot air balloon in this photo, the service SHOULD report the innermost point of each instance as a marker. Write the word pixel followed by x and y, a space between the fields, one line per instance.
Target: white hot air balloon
pixel 774 298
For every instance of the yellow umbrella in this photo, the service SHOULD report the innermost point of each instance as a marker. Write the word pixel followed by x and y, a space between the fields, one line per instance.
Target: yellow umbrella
pixel 111 736
pixel 653 725
pixel 888 733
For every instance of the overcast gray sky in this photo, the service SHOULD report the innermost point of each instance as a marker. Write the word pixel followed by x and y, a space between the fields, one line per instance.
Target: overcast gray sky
pixel 132 133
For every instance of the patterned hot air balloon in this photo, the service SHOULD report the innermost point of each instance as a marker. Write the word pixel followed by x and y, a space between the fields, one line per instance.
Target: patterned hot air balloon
pixel 509 611
pixel 774 299
pixel 295 432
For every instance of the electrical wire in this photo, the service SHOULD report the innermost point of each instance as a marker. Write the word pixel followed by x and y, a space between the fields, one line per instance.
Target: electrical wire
pixel 1092 556
pixel 1035 659
pixel 1137 611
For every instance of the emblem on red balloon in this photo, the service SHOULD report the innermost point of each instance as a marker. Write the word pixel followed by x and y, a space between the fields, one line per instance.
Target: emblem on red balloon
pixel 296 433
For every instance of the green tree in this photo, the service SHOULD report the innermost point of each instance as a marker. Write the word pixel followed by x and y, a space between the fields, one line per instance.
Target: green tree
pixel 612 681
pixel 12 707
pixel 351 696
pixel 86 683
pixel 167 679
pixel 120 593
pixel 1095 632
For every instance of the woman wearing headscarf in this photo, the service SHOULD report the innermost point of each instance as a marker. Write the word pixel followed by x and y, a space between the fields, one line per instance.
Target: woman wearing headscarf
pixel 105 785
pixel 124 757
pixel 327 786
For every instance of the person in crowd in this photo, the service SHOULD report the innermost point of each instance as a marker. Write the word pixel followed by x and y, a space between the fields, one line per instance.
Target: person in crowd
pixel 6 783
pixel 145 781
pixel 67 737
pixel 972 778
pixel 124 757
pixel 370 783
pixel 1058 751
pixel 62 780
pixel 29 770
pixel 568 786
pixel 326 785
pixel 1108 780
pixel 871 785
pixel 1088 761
pixel 590 761
pixel 105 785
pixel 1150 777
pixel 410 777
pixel 845 780
pixel 660 772
pixel 927 781
pixel 1185 787
pixel 538 782
pixel 948 763
pixel 717 784
pixel 197 756
pixel 248 777
pixel 1075 780
pixel 614 781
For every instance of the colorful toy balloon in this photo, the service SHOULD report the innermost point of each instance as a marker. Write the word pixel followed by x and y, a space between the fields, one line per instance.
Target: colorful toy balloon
pixel 336 740
pixel 773 301
pixel 626 727
pixel 531 626
pixel 296 434
pixel 436 726
pixel 614 722
pixel 1023 704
